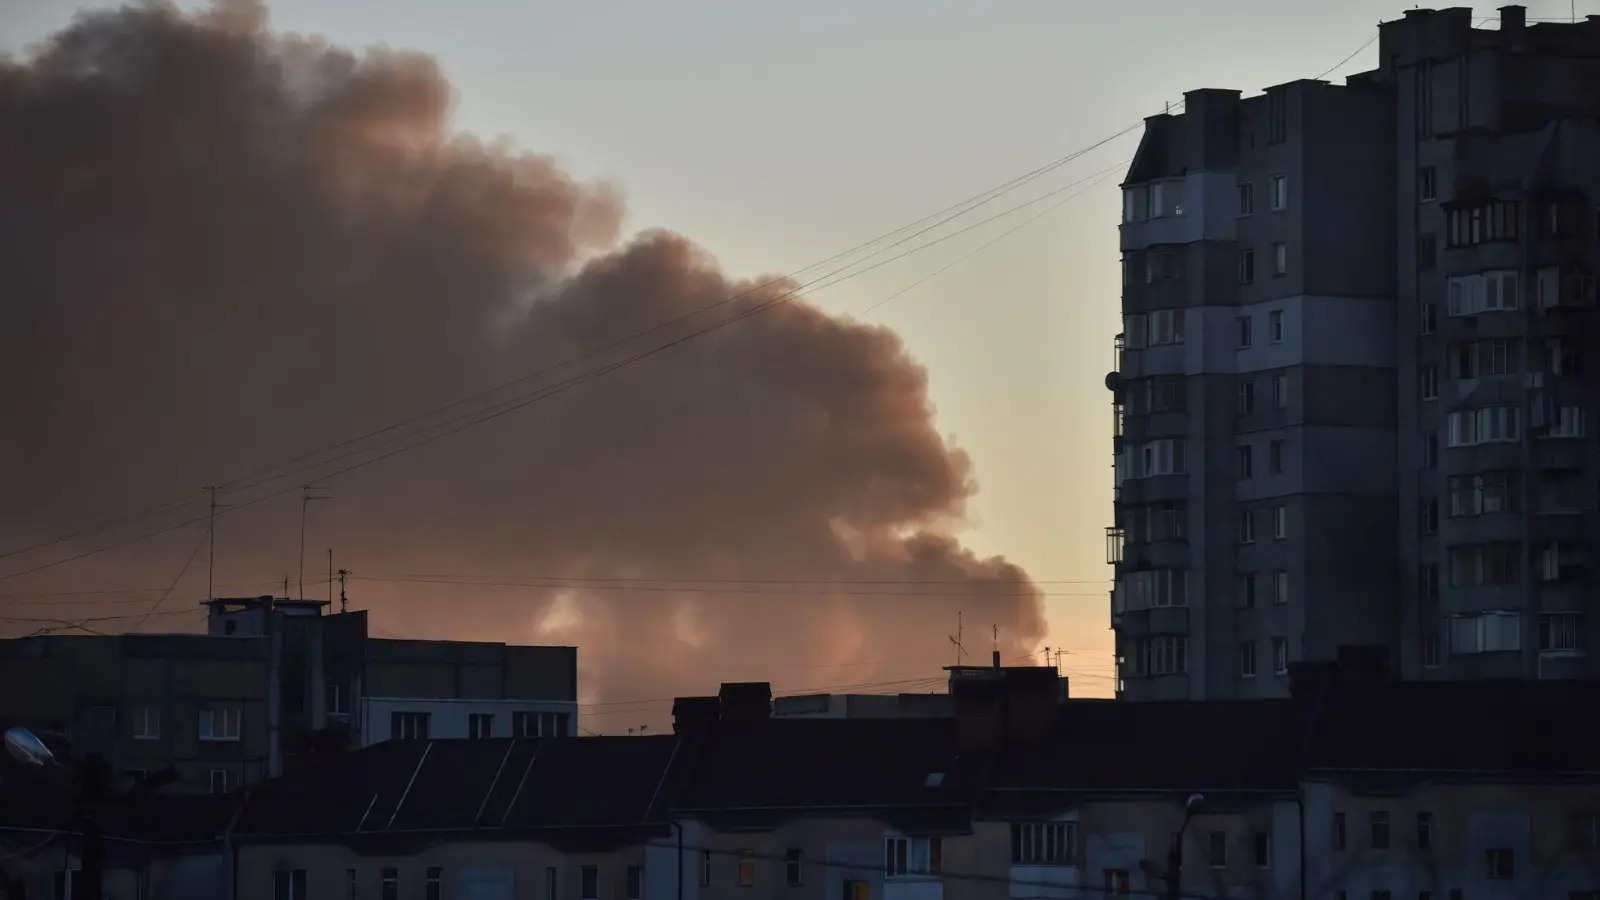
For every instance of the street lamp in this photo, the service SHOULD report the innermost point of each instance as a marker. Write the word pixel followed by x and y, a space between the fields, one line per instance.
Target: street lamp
pixel 1173 874
pixel 92 791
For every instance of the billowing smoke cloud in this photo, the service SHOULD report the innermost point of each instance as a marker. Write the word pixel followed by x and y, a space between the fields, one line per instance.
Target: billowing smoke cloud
pixel 222 248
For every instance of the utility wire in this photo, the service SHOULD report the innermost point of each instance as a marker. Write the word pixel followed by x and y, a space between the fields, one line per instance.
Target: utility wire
pixel 174 586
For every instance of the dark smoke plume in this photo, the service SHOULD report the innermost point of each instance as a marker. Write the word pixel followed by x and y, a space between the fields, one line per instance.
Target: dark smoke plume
pixel 222 248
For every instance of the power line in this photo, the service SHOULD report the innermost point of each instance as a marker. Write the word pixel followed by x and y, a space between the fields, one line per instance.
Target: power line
pixel 174 586
pixel 977 593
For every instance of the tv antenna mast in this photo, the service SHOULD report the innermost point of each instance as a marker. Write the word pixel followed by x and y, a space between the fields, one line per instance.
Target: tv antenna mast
pixel 211 529
pixel 343 574
pixel 308 495
pixel 956 639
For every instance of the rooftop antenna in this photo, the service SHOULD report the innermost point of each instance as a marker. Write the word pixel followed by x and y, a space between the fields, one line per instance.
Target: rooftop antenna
pixel 343 574
pixel 211 556
pixel 330 576
pixel 956 639
pixel 308 496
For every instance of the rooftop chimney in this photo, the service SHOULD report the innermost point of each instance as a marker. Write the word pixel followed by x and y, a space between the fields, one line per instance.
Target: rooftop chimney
pixel 1513 20
pixel 693 714
pixel 745 701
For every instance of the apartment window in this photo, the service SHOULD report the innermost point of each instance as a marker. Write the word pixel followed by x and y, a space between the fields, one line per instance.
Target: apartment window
pixel 1156 588
pixel 538 724
pixel 635 883
pixel 1428 583
pixel 1280 522
pixel 1166 655
pixel 1472 565
pixel 1164 326
pixel 1427 252
pixel 1430 317
pixel 1280 656
pixel 1560 632
pixel 223 780
pixel 1482 223
pixel 551 882
pixel 287 884
pixel 1247 199
pixel 1247 660
pixel 147 723
pixel 1430 450
pixel 1280 259
pixel 1166 198
pixel 1275 326
pixel 1135 204
pixel 336 699
pixel 1554 287
pixel 705 868
pixel 1498 863
pixel 408 726
pixel 1483 494
pixel 1487 425
pixel 433 884
pixel 1424 831
pixel 1378 829
pixel 1247 591
pixel 746 871
pixel 1337 831
pixel 219 724
pixel 1280 391
pixel 908 856
pixel 1430 516
pixel 1275 457
pixel 1427 184
pixel 1116 883
pixel 1217 849
pixel 1428 382
pixel 1247 397
pixel 1277 118
pixel 1244 332
pixel 1477 359
pixel 1280 587
pixel 350 884
pixel 389 883
pixel 1163 457
pixel 1263 850
pixel 1162 265
pixel 1247 526
pixel 1280 193
pixel 1583 832
pixel 1490 632
pixel 1563 356
pixel 1559 421
pixel 1430 650
pixel 1044 843
pixel 1247 266
pixel 792 868
pixel 589 883
pixel 1470 295
pixel 1245 461
pixel 480 726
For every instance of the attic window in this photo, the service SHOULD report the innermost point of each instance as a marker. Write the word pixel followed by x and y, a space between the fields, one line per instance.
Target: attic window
pixel 934 779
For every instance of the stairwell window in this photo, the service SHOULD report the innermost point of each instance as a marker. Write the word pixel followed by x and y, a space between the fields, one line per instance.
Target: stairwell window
pixel 1247 526
pixel 912 857
pixel 1280 193
pixel 1428 382
pixel 1431 656
pixel 1280 587
pixel 1247 199
pixel 1244 332
pixel 1280 391
pixel 1430 317
pixel 1044 843
pixel 1245 461
pixel 1247 397
pixel 1280 522
pixel 1427 184
pixel 1275 454
pixel 1247 266
pixel 1247 660
pixel 1280 259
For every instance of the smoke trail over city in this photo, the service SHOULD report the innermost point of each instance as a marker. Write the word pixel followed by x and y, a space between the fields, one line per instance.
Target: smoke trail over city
pixel 222 248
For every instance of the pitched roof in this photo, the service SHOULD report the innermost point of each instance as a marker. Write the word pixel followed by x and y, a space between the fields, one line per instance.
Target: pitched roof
pixel 440 785
pixel 904 770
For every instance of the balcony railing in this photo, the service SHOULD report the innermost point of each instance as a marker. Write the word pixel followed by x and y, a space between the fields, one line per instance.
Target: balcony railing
pixel 1119 345
pixel 1116 538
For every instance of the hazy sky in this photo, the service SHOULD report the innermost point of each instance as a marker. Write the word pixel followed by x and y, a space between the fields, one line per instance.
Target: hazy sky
pixel 777 134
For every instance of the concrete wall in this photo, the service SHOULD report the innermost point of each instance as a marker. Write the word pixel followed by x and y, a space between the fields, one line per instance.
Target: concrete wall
pixel 449 718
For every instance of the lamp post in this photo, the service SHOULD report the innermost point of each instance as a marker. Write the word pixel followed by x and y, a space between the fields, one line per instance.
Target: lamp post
pixel 92 792
pixel 1175 855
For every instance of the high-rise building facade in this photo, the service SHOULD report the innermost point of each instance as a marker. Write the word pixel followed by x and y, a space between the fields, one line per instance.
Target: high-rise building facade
pixel 1350 394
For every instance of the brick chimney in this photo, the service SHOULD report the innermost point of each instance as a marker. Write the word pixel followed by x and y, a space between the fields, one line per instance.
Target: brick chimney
pixel 745 701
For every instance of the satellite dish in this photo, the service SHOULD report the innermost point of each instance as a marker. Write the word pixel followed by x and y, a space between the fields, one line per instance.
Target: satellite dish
pixel 26 747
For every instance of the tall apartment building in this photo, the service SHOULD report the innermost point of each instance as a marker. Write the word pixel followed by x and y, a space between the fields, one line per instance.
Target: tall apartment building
pixel 272 682
pixel 1349 391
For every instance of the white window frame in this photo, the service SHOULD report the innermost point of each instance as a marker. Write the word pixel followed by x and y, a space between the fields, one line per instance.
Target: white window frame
pixel 1164 456
pixel 906 858
pixel 1156 588
pixel 1247 526
pixel 147 724
pixel 1247 397
pixel 1165 327
pixel 283 883
pixel 1280 587
pixel 1247 267
pixel 1280 521
pixel 1561 633
pixel 220 723
pixel 1495 631
pixel 1565 422
pixel 1275 327
pixel 1246 329
pixel 1427 184
pixel 1280 193
pixel 1247 199
pixel 1280 656
pixel 1247 660
pixel 1044 843
pixel 1280 259
pixel 1280 391
pixel 1428 382
pixel 222 781
pixel 1493 291
pixel 1484 425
